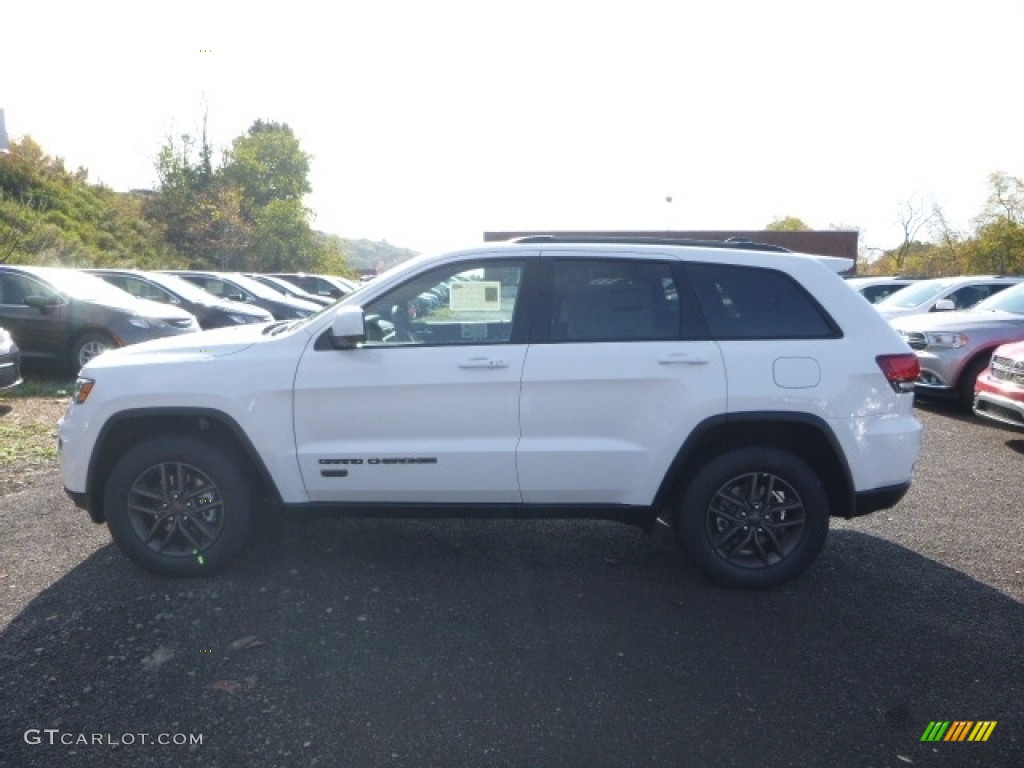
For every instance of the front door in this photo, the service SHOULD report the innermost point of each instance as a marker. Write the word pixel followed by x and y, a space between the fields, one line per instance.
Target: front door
pixel 427 410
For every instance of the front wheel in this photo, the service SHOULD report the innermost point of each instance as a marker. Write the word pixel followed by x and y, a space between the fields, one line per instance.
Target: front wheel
pixel 753 518
pixel 88 346
pixel 177 506
pixel 965 387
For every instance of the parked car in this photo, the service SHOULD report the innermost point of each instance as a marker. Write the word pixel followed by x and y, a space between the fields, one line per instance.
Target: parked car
pixel 743 395
pixel 319 285
pixel 237 287
pixel 210 311
pixel 877 288
pixel 10 361
pixel 943 294
pixel 954 347
pixel 999 389
pixel 285 288
pixel 69 317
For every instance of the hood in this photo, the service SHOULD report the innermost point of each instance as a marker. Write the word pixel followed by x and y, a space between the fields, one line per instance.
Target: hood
pixel 156 310
pixel 153 310
pixel 1014 350
pixel 203 345
pixel 957 320
pixel 236 307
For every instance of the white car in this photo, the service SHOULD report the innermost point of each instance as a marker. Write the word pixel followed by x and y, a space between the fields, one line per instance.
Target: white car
pixel 877 288
pixel 943 294
pixel 745 396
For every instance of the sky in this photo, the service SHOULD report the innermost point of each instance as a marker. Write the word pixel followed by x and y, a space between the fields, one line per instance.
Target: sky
pixel 429 123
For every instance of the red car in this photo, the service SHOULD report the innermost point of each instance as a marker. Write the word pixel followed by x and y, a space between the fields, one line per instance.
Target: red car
pixel 999 390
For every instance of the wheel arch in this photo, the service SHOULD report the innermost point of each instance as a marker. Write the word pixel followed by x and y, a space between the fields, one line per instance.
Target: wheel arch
pixel 806 436
pixel 965 381
pixel 129 427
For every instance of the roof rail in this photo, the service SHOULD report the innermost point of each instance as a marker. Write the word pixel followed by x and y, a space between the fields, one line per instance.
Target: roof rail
pixel 734 243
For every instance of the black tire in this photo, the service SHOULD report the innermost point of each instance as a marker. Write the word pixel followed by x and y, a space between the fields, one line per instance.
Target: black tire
pixel 968 376
pixel 89 345
pixel 753 518
pixel 178 506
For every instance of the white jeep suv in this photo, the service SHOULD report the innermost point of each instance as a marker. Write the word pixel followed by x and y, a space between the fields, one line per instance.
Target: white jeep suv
pixel 740 393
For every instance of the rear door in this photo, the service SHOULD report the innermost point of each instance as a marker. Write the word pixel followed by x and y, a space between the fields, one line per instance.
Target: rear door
pixel 427 410
pixel 620 373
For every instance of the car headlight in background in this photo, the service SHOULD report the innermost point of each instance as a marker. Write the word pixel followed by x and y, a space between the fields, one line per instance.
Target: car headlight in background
pixel 946 339
pixel 142 322
pixel 246 319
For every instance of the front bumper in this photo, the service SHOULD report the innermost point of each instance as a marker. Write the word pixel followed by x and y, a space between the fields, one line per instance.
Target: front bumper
pixel 10 373
pixel 878 499
pixel 992 405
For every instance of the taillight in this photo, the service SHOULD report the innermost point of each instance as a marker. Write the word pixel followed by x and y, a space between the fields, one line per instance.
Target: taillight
pixel 901 371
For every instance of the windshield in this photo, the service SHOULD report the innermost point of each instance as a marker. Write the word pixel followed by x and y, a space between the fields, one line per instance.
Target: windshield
pixel 182 287
pixel 255 287
pixel 914 295
pixel 1010 300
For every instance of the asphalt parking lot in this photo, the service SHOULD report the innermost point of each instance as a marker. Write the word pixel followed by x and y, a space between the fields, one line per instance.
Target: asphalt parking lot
pixel 453 643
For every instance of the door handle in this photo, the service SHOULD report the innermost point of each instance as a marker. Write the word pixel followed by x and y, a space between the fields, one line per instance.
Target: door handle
pixel 483 362
pixel 683 358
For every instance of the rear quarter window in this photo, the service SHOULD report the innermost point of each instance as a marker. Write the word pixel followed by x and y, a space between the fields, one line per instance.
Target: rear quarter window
pixel 741 302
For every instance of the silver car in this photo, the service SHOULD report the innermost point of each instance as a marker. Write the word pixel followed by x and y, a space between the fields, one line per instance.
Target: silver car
pixel 954 347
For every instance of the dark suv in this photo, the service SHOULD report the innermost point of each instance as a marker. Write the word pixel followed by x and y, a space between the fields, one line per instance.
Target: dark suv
pixel 69 317
pixel 210 311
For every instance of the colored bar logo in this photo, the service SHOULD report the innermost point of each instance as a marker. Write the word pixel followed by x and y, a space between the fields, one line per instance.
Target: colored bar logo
pixel 958 730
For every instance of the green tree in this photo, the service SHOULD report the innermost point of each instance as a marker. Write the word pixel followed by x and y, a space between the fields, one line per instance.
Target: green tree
pixel 268 164
pixel 999 229
pixel 788 224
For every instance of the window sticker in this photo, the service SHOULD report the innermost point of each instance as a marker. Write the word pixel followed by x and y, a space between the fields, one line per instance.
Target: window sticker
pixel 479 295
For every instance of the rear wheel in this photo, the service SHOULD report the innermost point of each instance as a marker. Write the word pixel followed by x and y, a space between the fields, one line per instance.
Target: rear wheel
pixel 178 506
pixel 753 518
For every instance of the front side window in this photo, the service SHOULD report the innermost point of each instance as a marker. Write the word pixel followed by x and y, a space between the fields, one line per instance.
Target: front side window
pixel 14 289
pixel 606 300
pixel 756 303
pixel 143 290
pixel 472 303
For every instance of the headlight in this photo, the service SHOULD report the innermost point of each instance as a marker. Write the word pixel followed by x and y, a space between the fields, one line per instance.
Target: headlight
pixel 6 342
pixel 83 387
pixel 142 322
pixel 242 319
pixel 946 339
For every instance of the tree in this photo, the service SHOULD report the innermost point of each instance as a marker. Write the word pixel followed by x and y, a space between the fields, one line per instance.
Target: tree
pixel 199 210
pixel 268 164
pixel 999 233
pixel 788 224
pixel 913 215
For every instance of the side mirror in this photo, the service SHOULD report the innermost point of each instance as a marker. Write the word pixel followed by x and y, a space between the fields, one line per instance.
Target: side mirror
pixel 349 328
pixel 43 303
pixel 944 305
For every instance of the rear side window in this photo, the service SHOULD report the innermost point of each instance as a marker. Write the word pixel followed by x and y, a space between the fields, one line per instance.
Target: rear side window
pixel 756 303
pixel 604 300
